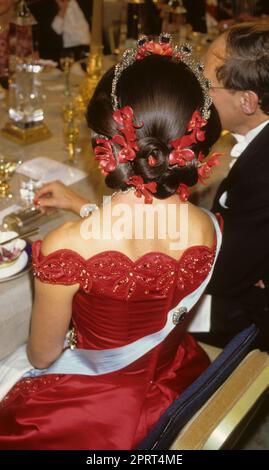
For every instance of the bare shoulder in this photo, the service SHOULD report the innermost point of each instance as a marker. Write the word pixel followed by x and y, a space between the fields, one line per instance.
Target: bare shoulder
pixel 201 228
pixel 60 238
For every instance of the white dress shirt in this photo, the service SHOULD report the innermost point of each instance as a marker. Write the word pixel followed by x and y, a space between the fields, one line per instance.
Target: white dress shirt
pixel 242 143
pixel 73 26
pixel 244 140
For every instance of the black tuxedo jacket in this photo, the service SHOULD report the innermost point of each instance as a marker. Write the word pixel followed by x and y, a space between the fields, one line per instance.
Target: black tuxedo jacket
pixel 50 44
pixel 196 14
pixel 244 255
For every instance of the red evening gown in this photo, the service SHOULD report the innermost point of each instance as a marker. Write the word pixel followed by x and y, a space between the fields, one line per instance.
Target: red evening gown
pixel 119 301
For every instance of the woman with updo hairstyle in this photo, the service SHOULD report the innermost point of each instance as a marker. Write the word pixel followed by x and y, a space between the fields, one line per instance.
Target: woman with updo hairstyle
pixel 163 94
pixel 109 350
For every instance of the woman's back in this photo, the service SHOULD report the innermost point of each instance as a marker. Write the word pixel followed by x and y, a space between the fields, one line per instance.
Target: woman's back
pixel 126 225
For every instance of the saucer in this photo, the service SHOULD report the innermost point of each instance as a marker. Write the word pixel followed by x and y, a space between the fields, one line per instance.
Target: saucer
pixel 10 251
pixel 15 267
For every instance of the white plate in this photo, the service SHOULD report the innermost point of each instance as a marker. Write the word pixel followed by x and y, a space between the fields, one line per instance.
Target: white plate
pixel 15 267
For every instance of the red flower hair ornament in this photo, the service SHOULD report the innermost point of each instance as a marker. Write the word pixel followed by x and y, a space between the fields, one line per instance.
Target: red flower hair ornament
pixel 181 155
pixel 104 154
pixel 124 118
pixel 205 167
pixel 141 188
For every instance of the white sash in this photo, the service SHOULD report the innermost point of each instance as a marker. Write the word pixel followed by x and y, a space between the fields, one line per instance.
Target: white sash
pixel 97 362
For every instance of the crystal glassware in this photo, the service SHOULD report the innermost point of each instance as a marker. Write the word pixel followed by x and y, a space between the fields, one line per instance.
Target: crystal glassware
pixel 72 115
pixel 66 63
pixel 71 134
pixel 7 169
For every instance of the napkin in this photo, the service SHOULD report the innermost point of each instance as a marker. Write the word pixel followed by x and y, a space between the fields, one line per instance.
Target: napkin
pixel 44 169
pixel 202 318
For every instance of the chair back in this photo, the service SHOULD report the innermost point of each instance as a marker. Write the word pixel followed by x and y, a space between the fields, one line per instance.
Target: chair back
pixel 196 395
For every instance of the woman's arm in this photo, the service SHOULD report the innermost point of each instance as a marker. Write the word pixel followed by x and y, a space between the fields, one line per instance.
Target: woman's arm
pixel 50 321
pixel 56 194
pixel 52 309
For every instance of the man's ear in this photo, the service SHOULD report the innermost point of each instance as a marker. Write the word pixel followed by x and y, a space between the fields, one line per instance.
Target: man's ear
pixel 249 102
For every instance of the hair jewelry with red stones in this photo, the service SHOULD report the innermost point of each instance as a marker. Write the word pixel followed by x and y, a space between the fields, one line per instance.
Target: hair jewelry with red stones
pixel 163 47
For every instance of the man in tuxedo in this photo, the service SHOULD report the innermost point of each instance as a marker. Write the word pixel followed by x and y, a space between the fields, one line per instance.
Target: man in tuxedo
pixel 196 11
pixel 262 7
pixel 237 65
pixel 51 38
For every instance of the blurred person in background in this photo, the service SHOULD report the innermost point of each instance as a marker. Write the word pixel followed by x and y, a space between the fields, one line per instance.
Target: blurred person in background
pixel 6 13
pixel 64 27
pixel 13 40
pixel 195 12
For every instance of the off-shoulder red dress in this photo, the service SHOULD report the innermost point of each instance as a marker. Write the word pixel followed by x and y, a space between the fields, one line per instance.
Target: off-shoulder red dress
pixel 119 301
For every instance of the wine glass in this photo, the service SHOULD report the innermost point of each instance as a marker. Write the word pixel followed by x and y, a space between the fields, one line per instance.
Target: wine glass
pixel 71 135
pixel 66 62
pixel 7 169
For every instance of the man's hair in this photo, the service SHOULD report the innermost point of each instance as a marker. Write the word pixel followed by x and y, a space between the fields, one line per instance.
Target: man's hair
pixel 246 66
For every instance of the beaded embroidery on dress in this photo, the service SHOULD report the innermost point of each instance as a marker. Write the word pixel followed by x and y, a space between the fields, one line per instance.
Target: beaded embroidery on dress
pixel 113 273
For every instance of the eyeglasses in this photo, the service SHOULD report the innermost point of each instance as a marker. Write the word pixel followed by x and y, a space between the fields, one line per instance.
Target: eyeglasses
pixel 211 87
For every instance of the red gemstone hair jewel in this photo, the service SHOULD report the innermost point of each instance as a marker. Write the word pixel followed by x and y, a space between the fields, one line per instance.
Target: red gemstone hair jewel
pixel 141 188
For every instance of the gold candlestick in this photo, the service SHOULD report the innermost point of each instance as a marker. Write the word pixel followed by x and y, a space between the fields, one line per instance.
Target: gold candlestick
pixel 97 23
pixel 95 63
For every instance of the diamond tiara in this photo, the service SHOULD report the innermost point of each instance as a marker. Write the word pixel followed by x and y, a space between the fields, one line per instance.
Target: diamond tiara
pixel 182 53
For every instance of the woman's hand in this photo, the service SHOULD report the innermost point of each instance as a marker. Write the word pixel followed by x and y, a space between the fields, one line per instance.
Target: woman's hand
pixel 56 194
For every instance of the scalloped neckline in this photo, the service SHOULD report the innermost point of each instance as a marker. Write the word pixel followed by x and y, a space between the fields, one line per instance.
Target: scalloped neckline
pixel 119 253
